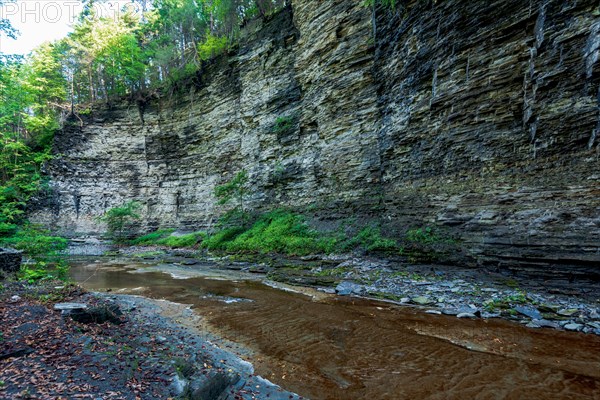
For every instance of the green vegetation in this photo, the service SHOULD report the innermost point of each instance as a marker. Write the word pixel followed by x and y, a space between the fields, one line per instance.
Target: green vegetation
pixel 119 219
pixel 212 47
pixel 34 241
pixel 507 302
pixel 152 238
pixel 234 190
pixel 28 119
pixel 44 253
pixel 370 239
pixel 164 237
pixel 427 245
pixel 278 231
pixel 422 235
pixel 188 240
pixel 283 125
pixel 147 47
pixel 336 272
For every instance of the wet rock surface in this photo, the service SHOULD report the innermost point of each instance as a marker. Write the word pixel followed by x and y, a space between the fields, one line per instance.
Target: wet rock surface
pixel 458 292
pixel 436 288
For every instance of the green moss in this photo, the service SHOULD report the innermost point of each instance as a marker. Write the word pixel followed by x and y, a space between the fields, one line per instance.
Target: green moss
pixel 422 236
pixel 189 240
pixel 220 239
pixel 148 254
pixel 284 125
pixel 371 240
pixel 153 237
pixel 164 237
pixel 337 272
pixel 278 231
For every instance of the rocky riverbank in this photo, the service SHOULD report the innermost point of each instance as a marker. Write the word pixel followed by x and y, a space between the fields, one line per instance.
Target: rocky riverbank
pixel 138 353
pixel 438 289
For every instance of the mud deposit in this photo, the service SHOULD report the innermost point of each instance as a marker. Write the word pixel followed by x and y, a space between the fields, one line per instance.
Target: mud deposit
pixel 329 347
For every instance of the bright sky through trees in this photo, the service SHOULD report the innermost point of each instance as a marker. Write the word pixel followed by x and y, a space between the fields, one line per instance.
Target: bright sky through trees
pixel 39 21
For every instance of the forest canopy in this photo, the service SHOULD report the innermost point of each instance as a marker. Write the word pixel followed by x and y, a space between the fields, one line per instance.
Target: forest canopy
pixel 149 47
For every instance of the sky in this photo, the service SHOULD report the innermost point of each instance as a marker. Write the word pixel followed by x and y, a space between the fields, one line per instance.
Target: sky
pixel 39 21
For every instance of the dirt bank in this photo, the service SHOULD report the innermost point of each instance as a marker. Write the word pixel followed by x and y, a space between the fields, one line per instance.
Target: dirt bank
pixel 138 355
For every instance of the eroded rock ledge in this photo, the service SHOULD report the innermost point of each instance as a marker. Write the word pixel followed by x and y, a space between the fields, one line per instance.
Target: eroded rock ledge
pixel 479 118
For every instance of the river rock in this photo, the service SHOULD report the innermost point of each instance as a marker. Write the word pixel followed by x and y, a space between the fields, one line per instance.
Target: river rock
pixel 98 314
pixel 68 308
pixel 546 324
pixel 529 312
pixel 573 327
pixel 568 312
pixel 547 308
pixel 347 288
pixel 422 300
pixel 595 325
pixel 466 315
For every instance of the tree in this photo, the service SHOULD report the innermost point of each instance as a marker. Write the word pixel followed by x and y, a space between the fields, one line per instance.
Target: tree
pixel 5 26
pixel 235 189
pixel 119 218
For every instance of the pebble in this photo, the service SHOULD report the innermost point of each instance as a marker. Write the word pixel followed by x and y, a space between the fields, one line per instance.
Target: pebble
pixel 595 325
pixel 347 288
pixel 573 327
pixel 14 299
pixel 546 324
pixel 435 312
pixel 466 315
pixel 450 311
pixel 568 312
pixel 70 306
pixel 529 312
pixel 486 314
pixel 422 300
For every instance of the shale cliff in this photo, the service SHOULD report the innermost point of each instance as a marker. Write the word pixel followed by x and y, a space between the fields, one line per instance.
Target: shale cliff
pixel 480 118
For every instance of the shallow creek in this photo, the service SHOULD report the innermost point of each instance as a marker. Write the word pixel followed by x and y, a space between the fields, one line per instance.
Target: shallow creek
pixel 329 347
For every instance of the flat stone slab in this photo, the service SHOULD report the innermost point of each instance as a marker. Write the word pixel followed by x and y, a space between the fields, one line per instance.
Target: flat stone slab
pixel 529 312
pixel 68 307
pixel 568 312
pixel 422 300
pixel 347 288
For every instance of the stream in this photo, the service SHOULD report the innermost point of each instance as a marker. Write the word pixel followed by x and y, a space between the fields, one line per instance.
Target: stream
pixel 324 346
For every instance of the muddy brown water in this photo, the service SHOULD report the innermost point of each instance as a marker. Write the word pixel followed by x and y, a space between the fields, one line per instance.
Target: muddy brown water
pixel 330 347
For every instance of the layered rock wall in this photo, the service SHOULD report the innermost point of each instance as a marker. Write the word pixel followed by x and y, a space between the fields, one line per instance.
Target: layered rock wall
pixel 480 118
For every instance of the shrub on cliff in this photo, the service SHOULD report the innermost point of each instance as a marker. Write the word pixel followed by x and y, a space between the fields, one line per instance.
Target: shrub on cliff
pixel 278 231
pixel 119 219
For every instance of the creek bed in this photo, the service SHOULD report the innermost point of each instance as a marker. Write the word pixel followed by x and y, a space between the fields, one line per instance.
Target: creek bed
pixel 324 346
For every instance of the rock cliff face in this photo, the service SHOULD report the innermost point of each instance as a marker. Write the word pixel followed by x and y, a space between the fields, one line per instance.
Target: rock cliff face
pixel 480 118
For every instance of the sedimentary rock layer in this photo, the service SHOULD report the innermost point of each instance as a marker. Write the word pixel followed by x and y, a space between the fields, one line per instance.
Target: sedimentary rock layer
pixel 479 118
